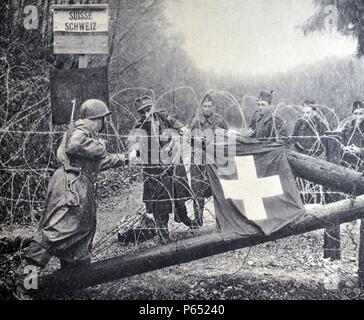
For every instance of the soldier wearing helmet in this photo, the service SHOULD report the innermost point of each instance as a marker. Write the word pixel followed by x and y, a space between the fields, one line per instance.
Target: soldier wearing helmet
pixel 68 225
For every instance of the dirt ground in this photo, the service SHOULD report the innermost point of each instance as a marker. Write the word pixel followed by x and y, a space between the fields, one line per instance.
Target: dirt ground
pixel 291 268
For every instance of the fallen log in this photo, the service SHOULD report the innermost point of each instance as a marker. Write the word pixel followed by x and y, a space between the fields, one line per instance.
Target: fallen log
pixel 325 173
pixel 187 250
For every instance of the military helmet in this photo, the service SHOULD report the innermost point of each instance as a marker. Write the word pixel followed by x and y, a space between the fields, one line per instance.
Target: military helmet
pixel 94 108
pixel 143 102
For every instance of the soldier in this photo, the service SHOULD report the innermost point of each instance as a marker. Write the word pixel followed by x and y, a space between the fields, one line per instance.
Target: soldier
pixel 68 225
pixel 353 140
pixel 203 128
pixel 346 122
pixel 265 123
pixel 165 184
pixel 308 131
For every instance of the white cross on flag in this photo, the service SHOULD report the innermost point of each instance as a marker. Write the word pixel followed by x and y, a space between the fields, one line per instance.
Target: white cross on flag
pixel 257 193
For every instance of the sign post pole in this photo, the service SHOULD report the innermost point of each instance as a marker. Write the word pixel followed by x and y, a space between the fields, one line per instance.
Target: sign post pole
pixel 79 29
pixel 83 61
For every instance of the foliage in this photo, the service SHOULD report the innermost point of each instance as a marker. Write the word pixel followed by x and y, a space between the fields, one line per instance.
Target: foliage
pixel 349 19
pixel 138 45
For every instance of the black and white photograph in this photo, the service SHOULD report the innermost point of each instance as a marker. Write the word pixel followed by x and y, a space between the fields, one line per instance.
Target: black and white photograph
pixel 158 150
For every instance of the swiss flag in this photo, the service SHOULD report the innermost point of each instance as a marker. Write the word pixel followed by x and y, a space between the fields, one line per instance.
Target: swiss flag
pixel 254 189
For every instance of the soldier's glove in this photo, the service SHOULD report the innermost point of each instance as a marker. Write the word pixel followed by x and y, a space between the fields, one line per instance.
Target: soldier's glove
pixel 251 132
pixel 123 157
pixel 134 157
pixel 352 149
pixel 183 131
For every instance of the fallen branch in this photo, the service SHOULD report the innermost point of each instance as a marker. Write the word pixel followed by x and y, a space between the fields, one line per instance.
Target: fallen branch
pixel 187 250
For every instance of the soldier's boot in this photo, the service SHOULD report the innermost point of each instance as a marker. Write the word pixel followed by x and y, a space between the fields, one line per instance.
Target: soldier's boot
pixel 143 230
pixel 198 206
pixel 181 215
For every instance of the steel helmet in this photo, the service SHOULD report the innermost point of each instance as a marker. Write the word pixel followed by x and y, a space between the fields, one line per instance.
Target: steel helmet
pixel 93 108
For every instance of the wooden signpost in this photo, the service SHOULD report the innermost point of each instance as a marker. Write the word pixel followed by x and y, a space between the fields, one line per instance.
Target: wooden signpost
pixel 82 30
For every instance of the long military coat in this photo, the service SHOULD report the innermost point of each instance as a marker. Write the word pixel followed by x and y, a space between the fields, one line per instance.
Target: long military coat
pixel 68 224
pixel 268 126
pixel 313 128
pixel 200 183
pixel 353 133
pixel 163 182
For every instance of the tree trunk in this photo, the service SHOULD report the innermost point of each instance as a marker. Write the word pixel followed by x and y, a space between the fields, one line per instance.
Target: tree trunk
pixel 327 174
pixel 361 256
pixel 187 250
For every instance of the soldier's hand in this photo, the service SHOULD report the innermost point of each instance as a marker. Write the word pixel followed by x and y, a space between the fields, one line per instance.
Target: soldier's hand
pixel 133 157
pixel 251 132
pixel 123 157
pixel 352 149
pixel 183 131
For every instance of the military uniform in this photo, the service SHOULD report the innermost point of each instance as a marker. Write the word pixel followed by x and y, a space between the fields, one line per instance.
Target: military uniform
pixel 68 225
pixel 199 177
pixel 353 133
pixel 268 126
pixel 314 128
pixel 164 184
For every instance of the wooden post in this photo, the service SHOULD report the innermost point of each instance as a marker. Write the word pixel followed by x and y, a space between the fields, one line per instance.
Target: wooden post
pixel 82 61
pixel 332 239
pixel 361 257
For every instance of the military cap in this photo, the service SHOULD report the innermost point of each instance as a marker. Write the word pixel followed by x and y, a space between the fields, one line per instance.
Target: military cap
pixel 143 102
pixel 357 105
pixel 266 96
pixel 207 98
pixel 309 102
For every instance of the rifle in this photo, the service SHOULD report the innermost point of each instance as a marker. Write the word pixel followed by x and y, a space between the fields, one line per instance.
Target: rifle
pixel 67 165
pixel 68 168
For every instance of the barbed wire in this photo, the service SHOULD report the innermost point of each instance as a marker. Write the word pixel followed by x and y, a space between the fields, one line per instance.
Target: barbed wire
pixel 19 167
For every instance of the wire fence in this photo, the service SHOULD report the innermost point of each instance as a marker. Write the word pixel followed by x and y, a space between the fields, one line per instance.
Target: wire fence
pixel 28 160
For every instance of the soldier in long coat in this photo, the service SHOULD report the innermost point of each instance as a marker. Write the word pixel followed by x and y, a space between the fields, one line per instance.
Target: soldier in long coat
pixel 307 135
pixel 308 131
pixel 165 184
pixel 203 129
pixel 353 141
pixel 68 225
pixel 266 124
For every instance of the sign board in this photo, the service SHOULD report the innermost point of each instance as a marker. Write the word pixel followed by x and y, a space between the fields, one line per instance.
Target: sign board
pixel 79 84
pixel 80 29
